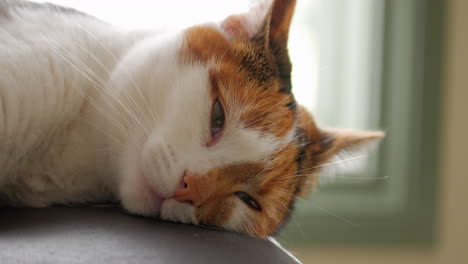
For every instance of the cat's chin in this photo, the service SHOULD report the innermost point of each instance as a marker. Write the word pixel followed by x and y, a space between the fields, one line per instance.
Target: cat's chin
pixel 144 200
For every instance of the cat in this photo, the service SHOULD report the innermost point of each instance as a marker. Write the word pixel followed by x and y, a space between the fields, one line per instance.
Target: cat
pixel 195 126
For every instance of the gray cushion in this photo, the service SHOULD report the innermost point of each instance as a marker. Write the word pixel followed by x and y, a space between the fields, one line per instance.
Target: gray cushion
pixel 107 235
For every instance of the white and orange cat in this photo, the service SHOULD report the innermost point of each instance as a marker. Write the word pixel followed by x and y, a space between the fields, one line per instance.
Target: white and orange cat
pixel 197 126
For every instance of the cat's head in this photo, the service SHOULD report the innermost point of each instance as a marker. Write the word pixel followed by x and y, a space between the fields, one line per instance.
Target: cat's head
pixel 219 139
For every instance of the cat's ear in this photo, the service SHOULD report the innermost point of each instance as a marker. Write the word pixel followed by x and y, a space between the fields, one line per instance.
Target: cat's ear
pixel 334 141
pixel 320 145
pixel 266 22
pixel 324 143
pixel 267 27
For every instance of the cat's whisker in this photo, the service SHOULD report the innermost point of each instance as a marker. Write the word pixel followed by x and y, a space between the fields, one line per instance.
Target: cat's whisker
pixel 298 226
pixel 118 125
pixel 319 166
pixel 268 110
pixel 318 207
pixel 292 176
pixel 335 177
pixel 364 178
pixel 143 98
pixel 104 86
pixel 94 104
pixel 115 59
pixel 339 161
pixel 286 208
pixel 334 215
pixel 105 68
pixel 270 116
pixel 332 163
pixel 347 177
pixel 284 192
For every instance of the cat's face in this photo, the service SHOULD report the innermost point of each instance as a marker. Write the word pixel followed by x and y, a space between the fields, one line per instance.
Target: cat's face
pixel 227 146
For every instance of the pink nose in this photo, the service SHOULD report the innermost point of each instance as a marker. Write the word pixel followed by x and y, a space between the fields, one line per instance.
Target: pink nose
pixel 195 189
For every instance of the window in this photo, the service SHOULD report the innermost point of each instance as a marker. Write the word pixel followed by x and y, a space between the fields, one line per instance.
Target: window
pixel 379 68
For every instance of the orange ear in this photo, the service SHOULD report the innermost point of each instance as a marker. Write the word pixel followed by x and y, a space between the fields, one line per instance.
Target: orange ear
pixel 335 141
pixel 318 146
pixel 267 21
pixel 280 19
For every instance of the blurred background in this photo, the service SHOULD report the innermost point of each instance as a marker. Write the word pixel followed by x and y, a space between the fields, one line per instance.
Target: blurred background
pixel 396 65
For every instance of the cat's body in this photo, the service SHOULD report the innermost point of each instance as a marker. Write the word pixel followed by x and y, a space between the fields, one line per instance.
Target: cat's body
pixel 92 113
pixel 51 151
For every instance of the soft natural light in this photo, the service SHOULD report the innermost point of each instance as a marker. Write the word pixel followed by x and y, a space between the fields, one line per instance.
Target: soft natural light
pixel 136 14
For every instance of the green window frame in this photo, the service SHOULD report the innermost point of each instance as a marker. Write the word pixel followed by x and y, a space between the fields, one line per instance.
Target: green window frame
pixel 402 208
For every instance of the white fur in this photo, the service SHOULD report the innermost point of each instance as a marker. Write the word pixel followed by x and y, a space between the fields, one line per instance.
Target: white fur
pixel 179 212
pixel 89 112
pixel 238 216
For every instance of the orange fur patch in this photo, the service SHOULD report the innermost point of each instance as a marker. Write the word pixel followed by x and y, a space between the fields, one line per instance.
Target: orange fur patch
pixel 261 104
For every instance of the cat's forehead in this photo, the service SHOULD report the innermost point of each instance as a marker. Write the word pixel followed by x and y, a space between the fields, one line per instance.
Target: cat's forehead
pixel 245 78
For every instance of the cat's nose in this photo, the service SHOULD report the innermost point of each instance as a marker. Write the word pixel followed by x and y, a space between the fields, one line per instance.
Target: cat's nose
pixel 195 189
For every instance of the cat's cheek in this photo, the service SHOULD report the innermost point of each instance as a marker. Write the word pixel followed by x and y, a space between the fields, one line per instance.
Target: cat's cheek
pixel 235 221
pixel 216 213
pixel 138 198
pixel 175 211
pixel 161 166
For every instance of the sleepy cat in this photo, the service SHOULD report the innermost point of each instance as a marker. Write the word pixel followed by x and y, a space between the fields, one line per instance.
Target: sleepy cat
pixel 196 126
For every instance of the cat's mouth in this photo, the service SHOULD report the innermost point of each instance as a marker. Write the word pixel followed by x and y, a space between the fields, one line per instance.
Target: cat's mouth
pixel 154 199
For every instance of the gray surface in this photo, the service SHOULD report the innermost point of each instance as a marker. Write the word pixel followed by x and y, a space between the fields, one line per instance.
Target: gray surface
pixel 106 235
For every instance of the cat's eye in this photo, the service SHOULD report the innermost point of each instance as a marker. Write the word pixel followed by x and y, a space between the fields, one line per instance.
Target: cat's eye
pixel 217 122
pixel 248 200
